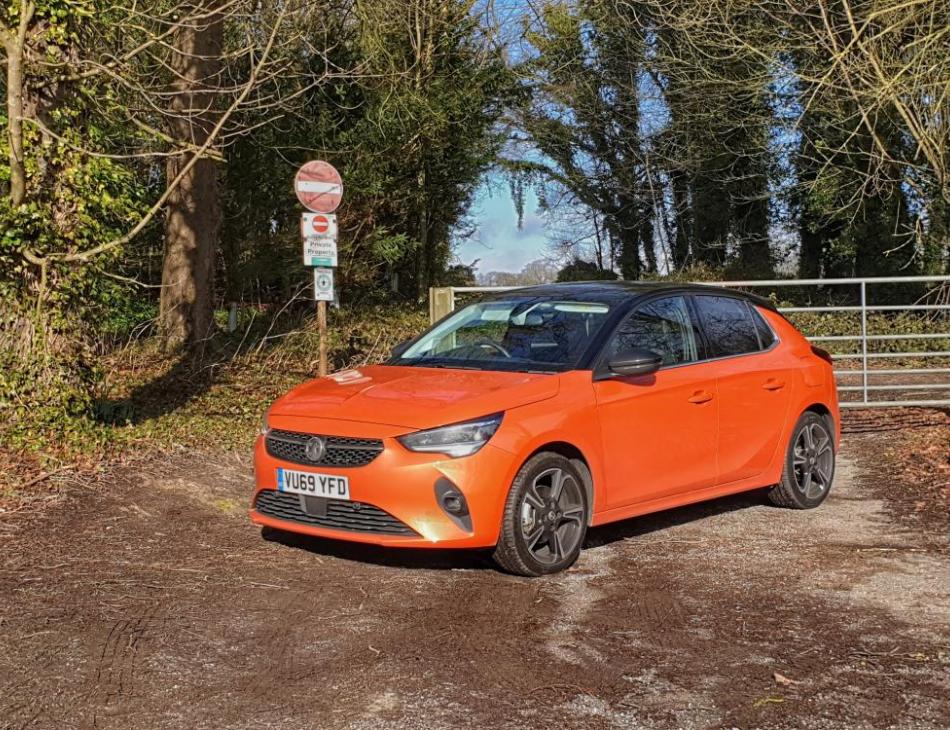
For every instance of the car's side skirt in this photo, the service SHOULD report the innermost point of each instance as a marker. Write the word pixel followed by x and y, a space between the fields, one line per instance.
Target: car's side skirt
pixel 678 500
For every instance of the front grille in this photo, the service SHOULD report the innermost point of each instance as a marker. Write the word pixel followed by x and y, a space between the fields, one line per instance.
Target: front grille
pixel 340 514
pixel 340 451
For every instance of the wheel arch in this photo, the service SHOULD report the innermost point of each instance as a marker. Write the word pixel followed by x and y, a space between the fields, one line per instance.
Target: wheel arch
pixel 825 412
pixel 807 404
pixel 578 459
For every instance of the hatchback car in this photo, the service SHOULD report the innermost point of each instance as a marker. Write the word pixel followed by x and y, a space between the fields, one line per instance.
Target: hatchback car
pixel 519 421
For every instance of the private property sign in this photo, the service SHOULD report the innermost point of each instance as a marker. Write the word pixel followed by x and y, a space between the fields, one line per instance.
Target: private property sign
pixel 319 251
pixel 319 233
pixel 319 187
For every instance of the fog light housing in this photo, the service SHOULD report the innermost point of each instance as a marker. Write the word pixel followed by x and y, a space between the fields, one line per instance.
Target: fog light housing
pixel 452 502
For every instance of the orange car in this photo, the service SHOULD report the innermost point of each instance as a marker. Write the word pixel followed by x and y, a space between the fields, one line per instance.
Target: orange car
pixel 517 422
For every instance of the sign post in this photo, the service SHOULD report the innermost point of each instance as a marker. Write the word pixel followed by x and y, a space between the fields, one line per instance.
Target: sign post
pixel 319 188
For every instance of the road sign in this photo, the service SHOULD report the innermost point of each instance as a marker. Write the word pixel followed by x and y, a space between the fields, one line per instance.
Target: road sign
pixel 319 187
pixel 323 285
pixel 318 224
pixel 319 232
pixel 319 251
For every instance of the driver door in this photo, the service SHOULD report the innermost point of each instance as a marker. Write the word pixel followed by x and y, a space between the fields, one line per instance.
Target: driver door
pixel 659 431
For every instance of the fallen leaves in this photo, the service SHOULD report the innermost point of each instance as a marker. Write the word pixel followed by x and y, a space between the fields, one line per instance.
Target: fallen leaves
pixel 783 681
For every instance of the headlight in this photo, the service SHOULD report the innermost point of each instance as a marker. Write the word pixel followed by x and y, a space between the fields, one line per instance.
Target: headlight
pixel 459 439
pixel 265 426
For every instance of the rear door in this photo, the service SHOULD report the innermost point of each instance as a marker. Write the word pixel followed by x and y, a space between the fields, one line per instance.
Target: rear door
pixel 753 384
pixel 659 430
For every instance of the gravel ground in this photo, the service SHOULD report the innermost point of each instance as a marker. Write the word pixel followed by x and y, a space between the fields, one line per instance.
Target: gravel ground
pixel 150 601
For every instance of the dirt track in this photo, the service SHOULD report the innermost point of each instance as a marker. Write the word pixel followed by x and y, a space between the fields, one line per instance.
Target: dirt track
pixel 151 602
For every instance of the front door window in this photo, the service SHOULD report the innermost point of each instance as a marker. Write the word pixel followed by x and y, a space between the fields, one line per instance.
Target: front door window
pixel 662 326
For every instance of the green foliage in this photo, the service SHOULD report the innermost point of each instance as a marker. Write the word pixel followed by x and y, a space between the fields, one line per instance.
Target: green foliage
pixel 583 115
pixel 46 404
pixel 458 275
pixel 76 200
pixel 838 324
pixel 166 400
pixel 411 127
pixel 580 270
pixel 412 133
pixel 54 411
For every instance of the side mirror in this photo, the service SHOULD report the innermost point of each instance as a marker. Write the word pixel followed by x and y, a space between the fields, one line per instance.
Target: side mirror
pixel 635 362
pixel 400 348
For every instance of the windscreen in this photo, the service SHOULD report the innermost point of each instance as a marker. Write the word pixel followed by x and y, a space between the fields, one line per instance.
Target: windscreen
pixel 510 334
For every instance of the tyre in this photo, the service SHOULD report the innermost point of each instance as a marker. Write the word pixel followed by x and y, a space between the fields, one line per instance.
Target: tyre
pixel 545 518
pixel 809 465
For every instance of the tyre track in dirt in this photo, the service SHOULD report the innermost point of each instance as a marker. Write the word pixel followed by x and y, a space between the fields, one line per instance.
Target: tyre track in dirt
pixel 151 602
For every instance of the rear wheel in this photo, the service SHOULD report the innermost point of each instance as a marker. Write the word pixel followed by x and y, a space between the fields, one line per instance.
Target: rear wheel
pixel 809 465
pixel 545 518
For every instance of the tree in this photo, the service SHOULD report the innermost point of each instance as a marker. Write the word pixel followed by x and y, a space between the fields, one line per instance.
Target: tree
pixel 193 212
pixel 539 271
pixel 86 109
pixel 583 116
pixel 869 79
pixel 438 85
pixel 580 270
pixel 412 129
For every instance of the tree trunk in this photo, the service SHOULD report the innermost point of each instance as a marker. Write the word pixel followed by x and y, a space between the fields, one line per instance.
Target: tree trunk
pixel 422 257
pixel 630 268
pixel 680 248
pixel 711 213
pixel 810 253
pixel 646 238
pixel 751 219
pixel 194 211
pixel 14 43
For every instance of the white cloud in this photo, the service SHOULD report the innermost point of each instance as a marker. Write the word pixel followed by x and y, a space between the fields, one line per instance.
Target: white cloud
pixel 498 242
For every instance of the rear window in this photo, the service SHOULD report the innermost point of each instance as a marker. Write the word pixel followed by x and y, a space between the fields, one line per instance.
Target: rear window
pixel 766 335
pixel 728 324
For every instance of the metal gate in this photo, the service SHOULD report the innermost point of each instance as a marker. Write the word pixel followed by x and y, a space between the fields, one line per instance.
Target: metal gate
pixel 887 353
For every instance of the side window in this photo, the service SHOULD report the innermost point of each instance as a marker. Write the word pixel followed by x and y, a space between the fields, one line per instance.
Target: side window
pixel 728 324
pixel 663 326
pixel 766 335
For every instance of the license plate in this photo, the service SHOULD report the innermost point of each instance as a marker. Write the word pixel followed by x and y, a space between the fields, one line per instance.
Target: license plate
pixel 313 484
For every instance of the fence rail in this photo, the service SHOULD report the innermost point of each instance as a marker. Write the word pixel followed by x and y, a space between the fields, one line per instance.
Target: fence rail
pixel 932 299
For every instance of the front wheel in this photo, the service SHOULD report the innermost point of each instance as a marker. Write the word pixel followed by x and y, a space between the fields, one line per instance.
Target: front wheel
pixel 809 465
pixel 545 518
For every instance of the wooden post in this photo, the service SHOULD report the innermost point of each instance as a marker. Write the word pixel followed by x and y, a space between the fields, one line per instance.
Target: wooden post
pixel 322 328
pixel 441 302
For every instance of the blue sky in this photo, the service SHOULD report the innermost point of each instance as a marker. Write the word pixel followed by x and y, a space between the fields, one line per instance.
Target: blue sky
pixel 498 241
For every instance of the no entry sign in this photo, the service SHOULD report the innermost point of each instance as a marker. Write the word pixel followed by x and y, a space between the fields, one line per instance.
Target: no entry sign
pixel 318 224
pixel 319 187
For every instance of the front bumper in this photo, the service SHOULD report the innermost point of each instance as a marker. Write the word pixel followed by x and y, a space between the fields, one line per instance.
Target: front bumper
pixel 403 484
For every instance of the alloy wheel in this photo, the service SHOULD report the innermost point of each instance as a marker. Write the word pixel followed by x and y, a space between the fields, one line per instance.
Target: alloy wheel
pixel 813 460
pixel 552 514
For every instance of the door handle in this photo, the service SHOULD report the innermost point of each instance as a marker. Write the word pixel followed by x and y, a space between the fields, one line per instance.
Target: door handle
pixel 700 396
pixel 773 384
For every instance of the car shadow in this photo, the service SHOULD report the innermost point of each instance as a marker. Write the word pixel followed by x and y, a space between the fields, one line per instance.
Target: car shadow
pixel 659 521
pixel 437 559
pixel 409 558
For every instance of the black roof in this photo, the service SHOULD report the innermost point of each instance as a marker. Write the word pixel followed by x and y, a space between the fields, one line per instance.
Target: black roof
pixel 613 292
